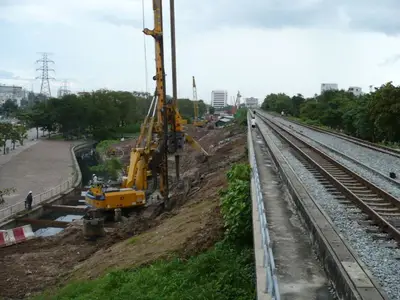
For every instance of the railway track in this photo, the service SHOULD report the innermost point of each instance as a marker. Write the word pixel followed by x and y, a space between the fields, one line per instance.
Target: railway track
pixel 381 208
pixel 357 141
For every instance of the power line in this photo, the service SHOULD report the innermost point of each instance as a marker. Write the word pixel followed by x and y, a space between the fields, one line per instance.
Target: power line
pixel 45 89
pixel 64 89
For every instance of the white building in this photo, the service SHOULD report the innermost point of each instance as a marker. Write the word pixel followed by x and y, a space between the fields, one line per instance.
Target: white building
pixel 251 102
pixel 329 87
pixel 357 91
pixel 219 99
pixel 15 93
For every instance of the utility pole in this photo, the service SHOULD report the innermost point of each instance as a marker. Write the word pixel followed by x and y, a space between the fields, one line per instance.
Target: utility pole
pixel 45 89
pixel 64 89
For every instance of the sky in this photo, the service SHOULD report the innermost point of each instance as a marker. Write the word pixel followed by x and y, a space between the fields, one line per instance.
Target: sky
pixel 256 47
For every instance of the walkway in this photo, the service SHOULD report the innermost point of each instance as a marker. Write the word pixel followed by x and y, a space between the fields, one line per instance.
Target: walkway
pixel 37 166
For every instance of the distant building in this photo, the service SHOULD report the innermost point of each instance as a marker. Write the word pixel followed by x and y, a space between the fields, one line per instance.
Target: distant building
pixel 11 92
pixel 329 87
pixel 355 90
pixel 219 99
pixel 251 102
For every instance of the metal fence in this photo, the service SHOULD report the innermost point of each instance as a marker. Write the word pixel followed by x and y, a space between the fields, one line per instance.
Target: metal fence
pixel 37 199
pixel 271 284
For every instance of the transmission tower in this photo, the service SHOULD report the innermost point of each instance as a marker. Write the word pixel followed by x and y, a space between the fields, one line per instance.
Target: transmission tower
pixel 64 89
pixel 44 68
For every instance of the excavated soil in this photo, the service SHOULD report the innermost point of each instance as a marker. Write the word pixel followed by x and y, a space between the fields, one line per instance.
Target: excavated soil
pixel 193 225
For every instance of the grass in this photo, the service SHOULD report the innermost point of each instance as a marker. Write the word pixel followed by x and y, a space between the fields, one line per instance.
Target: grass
pixel 223 272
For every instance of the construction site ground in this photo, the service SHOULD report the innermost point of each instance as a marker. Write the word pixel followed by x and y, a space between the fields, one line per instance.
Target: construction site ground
pixel 193 225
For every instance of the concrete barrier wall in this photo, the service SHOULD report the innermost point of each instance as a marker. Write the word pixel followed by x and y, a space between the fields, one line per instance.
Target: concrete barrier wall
pixel 267 283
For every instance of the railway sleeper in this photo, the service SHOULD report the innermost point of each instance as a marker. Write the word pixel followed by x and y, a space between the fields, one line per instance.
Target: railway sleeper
pixel 379 204
pixel 381 236
pixel 390 214
pixel 364 192
pixel 346 202
pixel 349 181
pixel 357 188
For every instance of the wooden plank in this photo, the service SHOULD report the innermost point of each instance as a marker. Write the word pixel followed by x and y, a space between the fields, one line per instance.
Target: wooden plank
pixel 44 223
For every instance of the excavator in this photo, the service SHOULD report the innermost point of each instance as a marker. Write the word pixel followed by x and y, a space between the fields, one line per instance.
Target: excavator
pixel 196 120
pixel 161 135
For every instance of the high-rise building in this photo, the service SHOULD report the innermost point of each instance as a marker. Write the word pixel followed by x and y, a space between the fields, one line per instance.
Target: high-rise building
pixel 357 91
pixel 15 93
pixel 251 102
pixel 329 87
pixel 219 99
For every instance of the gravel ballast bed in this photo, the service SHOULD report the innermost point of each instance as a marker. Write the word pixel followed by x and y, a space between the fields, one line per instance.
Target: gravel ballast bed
pixel 382 162
pixel 383 262
pixel 380 181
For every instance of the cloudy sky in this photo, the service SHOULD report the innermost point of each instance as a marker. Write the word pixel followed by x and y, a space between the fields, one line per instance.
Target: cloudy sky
pixel 255 46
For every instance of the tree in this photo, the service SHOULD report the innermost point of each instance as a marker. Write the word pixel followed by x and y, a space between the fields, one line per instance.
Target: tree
pixel 211 110
pixel 5 192
pixel 9 108
pixel 278 103
pixel 5 134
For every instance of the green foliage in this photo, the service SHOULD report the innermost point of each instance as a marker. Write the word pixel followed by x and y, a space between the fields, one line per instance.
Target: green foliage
pixel 103 146
pixel 186 108
pixel 13 133
pixel 221 273
pixel 241 116
pixel 236 205
pixel 374 116
pixel 9 108
pixel 101 114
pixel 110 167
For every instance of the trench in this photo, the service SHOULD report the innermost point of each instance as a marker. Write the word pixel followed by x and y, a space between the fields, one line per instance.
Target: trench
pixel 85 160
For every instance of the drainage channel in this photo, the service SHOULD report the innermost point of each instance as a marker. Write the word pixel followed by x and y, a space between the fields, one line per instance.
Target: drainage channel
pixel 55 218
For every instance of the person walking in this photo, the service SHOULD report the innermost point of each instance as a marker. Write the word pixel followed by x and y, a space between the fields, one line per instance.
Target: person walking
pixel 28 201
pixel 253 122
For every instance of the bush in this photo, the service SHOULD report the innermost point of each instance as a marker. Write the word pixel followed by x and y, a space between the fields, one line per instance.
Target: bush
pixel 103 146
pixel 236 205
pixel 241 116
pixel 222 273
pixel 110 167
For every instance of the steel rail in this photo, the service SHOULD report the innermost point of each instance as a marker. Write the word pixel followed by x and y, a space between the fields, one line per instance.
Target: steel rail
pixel 355 188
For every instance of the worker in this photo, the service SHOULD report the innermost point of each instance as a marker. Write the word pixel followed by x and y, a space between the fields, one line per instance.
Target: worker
pixel 253 122
pixel 94 179
pixel 28 201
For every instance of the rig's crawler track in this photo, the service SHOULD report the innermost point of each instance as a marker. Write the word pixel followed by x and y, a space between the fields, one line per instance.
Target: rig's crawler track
pixel 382 208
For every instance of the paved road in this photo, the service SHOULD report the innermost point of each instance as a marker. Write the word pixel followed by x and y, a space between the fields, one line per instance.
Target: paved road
pixel 37 166
pixel 31 140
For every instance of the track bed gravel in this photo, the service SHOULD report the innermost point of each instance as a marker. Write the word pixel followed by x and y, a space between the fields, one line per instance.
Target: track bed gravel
pixel 378 255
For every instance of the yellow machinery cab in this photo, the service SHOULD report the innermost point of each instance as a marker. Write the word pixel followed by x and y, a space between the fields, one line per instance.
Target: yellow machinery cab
pixel 116 198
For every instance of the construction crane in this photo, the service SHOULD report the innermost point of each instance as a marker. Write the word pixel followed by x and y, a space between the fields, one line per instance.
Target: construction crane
pixel 161 134
pixel 237 103
pixel 196 120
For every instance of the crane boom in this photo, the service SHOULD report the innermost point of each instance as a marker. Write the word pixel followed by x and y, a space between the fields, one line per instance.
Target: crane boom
pixel 195 103
pixel 161 134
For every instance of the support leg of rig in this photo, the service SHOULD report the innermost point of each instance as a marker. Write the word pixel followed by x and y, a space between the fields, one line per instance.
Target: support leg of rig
pixel 177 167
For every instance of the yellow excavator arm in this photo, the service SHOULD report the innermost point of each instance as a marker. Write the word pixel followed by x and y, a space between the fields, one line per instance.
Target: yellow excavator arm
pixel 161 134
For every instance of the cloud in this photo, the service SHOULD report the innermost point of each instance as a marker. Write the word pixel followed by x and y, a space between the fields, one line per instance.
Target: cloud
pixel 390 60
pixel 117 21
pixel 6 74
pixel 360 15
pixel 256 46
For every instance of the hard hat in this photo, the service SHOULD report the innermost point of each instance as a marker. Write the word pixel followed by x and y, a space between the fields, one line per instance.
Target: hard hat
pixel 30 192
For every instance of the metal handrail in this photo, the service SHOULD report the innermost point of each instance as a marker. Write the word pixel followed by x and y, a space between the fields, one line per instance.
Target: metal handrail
pixel 271 283
pixel 38 199
pixel 269 262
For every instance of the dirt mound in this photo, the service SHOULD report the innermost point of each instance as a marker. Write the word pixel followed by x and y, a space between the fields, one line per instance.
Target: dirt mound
pixel 194 224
